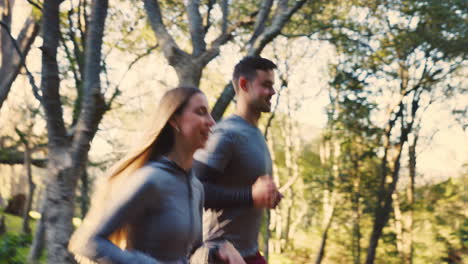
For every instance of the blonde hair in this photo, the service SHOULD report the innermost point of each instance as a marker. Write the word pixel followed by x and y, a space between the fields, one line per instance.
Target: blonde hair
pixel 157 141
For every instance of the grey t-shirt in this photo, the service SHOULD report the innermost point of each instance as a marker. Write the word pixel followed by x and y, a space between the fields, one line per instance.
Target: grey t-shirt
pixel 161 205
pixel 239 152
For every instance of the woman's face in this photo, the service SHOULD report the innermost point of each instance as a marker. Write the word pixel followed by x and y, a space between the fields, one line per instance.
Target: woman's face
pixel 195 122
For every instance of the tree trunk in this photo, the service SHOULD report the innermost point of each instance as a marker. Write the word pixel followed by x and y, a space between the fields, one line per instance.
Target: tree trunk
pixel 400 236
pixel 271 147
pixel 291 156
pixel 283 213
pixel 37 247
pixel 189 72
pixel 329 157
pixel 329 212
pixel 67 160
pixel 6 7
pixel 267 233
pixel 188 67
pixel 223 102
pixel 384 205
pixel 410 197
pixel 357 213
pixel 403 235
pixel 60 204
pixel 184 63
pixel 389 175
pixel 32 186
pixel 84 199
pixel 287 229
pixel 58 217
pixel 379 223
pixel 330 160
pixel 273 215
pixel 266 236
pixel 12 64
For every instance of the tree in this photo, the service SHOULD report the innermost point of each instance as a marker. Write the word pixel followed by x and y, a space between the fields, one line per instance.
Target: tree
pixel 288 153
pixel 347 153
pixel 14 51
pixel 31 144
pixel 414 51
pixel 68 150
pixel 189 65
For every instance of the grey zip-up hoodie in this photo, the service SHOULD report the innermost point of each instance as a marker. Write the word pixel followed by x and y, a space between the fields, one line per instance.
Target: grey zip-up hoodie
pixel 161 204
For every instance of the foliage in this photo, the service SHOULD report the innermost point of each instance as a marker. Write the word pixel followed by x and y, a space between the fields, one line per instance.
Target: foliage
pixel 10 245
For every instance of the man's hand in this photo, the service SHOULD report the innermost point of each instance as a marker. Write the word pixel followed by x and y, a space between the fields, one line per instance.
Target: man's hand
pixel 264 193
pixel 229 254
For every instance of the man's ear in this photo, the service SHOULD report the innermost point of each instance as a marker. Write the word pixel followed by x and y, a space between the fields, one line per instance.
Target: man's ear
pixel 243 83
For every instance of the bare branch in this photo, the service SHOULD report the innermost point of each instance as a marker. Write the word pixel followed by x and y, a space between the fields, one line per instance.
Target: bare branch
pixel 208 15
pixel 225 12
pixel 122 39
pixel 273 113
pixel 197 33
pixel 281 18
pixel 291 36
pixel 50 80
pixel 282 5
pixel 85 20
pixel 80 16
pixel 170 48
pixel 261 19
pixel 130 66
pixel 213 51
pixel 77 60
pixel 289 183
pixel 19 160
pixel 76 47
pixel 36 5
pixel 94 105
pixel 283 85
pixel 25 39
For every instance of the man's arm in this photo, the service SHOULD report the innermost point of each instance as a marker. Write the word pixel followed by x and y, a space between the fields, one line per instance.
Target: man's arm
pixel 262 194
pixel 217 196
pixel 208 166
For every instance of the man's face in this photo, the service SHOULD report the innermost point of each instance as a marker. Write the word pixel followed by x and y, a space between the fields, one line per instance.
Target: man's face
pixel 261 90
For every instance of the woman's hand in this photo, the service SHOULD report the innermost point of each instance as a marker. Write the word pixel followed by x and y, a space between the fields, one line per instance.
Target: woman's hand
pixel 229 254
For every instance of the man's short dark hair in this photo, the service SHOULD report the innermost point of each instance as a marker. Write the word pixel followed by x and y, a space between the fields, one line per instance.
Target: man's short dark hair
pixel 248 67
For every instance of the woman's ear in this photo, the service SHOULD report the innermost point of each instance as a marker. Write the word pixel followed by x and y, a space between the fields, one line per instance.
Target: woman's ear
pixel 173 122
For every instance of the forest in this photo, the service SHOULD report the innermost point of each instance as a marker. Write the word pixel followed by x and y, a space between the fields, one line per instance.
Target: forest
pixel 367 133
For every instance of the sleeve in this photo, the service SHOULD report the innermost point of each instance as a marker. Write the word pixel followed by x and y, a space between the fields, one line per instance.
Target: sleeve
pixel 209 166
pixel 204 252
pixel 218 150
pixel 130 203
pixel 217 196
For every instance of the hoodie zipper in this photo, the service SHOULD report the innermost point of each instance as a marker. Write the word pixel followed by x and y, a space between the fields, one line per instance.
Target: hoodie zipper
pixel 190 204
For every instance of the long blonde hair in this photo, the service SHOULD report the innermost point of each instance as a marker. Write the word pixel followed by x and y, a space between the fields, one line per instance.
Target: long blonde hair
pixel 157 141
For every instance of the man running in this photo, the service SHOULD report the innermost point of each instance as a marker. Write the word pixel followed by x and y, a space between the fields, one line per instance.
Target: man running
pixel 235 167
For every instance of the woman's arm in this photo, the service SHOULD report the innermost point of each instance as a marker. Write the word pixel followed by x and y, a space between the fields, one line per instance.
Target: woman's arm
pixel 128 202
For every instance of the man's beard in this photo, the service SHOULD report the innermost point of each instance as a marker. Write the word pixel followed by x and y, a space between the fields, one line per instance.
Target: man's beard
pixel 265 108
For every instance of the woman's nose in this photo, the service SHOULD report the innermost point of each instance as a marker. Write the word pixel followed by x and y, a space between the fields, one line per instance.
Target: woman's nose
pixel 211 121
